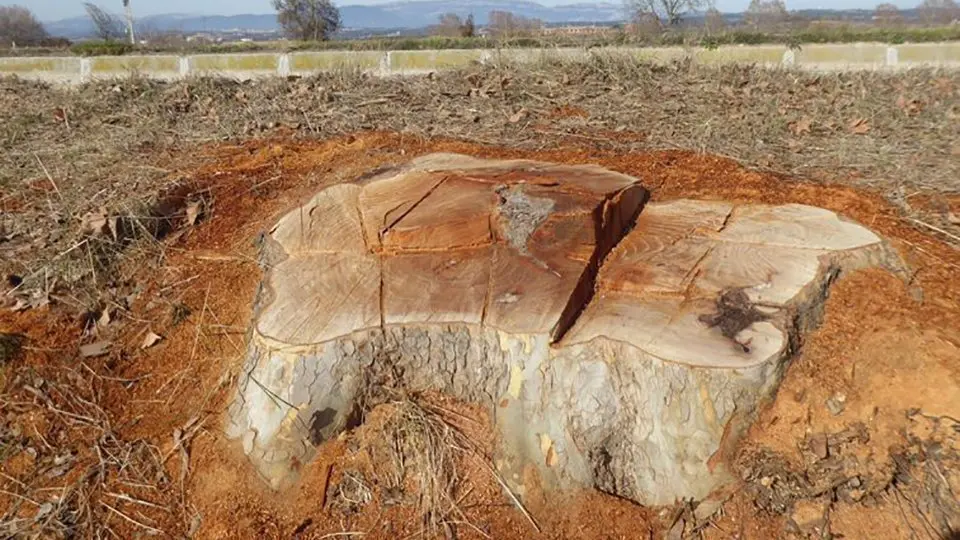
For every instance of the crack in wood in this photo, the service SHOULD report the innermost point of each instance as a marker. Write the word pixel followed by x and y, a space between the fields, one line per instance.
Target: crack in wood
pixel 386 230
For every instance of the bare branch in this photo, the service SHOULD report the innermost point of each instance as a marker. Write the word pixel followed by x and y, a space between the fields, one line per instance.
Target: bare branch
pixel 107 26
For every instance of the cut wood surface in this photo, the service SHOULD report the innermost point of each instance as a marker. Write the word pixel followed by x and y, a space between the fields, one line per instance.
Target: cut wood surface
pixel 621 344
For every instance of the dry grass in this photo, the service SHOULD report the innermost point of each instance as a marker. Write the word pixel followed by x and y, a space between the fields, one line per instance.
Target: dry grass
pixel 89 481
pixel 417 451
pixel 422 452
pixel 114 147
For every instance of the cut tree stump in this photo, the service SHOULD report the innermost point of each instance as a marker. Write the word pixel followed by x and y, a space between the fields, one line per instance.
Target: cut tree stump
pixel 619 344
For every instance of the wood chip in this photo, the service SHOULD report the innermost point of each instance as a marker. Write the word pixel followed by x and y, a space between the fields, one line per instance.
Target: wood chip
pixel 104 319
pixel 818 445
pixel 150 340
pixel 92 350
pixel 860 126
pixel 193 211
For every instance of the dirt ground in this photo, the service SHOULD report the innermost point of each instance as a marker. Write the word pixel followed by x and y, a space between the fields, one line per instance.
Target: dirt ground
pixel 113 400
pixel 889 347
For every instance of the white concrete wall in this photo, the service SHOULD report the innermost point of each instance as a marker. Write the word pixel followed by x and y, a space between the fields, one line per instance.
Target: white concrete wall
pixel 852 56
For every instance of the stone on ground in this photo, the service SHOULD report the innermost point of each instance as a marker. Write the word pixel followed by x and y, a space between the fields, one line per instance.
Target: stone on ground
pixel 620 344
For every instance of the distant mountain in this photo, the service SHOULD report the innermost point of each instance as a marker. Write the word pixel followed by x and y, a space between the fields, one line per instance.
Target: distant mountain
pixel 402 16
pixel 425 13
pixel 396 15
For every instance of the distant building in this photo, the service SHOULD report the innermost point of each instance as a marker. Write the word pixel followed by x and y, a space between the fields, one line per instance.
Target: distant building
pixel 572 30
pixel 201 38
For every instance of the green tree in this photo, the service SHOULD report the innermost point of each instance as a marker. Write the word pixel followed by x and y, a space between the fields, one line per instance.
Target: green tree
pixel 468 28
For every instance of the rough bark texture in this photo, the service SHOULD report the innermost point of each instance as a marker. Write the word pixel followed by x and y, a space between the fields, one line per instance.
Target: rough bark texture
pixel 620 345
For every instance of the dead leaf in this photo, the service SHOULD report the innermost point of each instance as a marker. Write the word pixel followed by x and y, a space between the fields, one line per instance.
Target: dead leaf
pixel 518 116
pixel 150 340
pixel 112 225
pixel 104 319
pixel 801 126
pixel 39 299
pixel 91 350
pixel 943 85
pixel 195 522
pixel 909 106
pixel 43 510
pixel 193 211
pixel 94 222
pixel 860 126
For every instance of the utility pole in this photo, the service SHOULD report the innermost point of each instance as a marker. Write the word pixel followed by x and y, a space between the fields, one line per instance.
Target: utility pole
pixel 129 13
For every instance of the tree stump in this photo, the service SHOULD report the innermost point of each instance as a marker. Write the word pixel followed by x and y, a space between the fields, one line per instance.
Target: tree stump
pixel 620 345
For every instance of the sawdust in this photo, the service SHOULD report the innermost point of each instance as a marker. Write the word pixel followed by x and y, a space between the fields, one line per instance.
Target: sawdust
pixel 884 350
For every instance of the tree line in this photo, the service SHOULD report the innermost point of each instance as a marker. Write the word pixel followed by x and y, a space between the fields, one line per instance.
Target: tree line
pixel 656 14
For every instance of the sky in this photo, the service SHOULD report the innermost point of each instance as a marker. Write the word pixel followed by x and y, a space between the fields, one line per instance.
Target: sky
pixel 52 10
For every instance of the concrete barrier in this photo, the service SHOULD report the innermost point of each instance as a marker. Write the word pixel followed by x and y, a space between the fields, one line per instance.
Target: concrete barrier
pixel 821 57
pixel 767 55
pixel 239 66
pixel 419 61
pixel 158 67
pixel 847 56
pixel 929 54
pixel 305 63
pixel 51 69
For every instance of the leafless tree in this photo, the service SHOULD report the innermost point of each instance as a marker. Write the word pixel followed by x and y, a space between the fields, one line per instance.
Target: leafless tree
pixel 713 21
pixel 18 27
pixel 644 25
pixel 668 11
pixel 505 24
pixel 766 13
pixel 938 11
pixel 887 15
pixel 107 26
pixel 308 20
pixel 451 25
